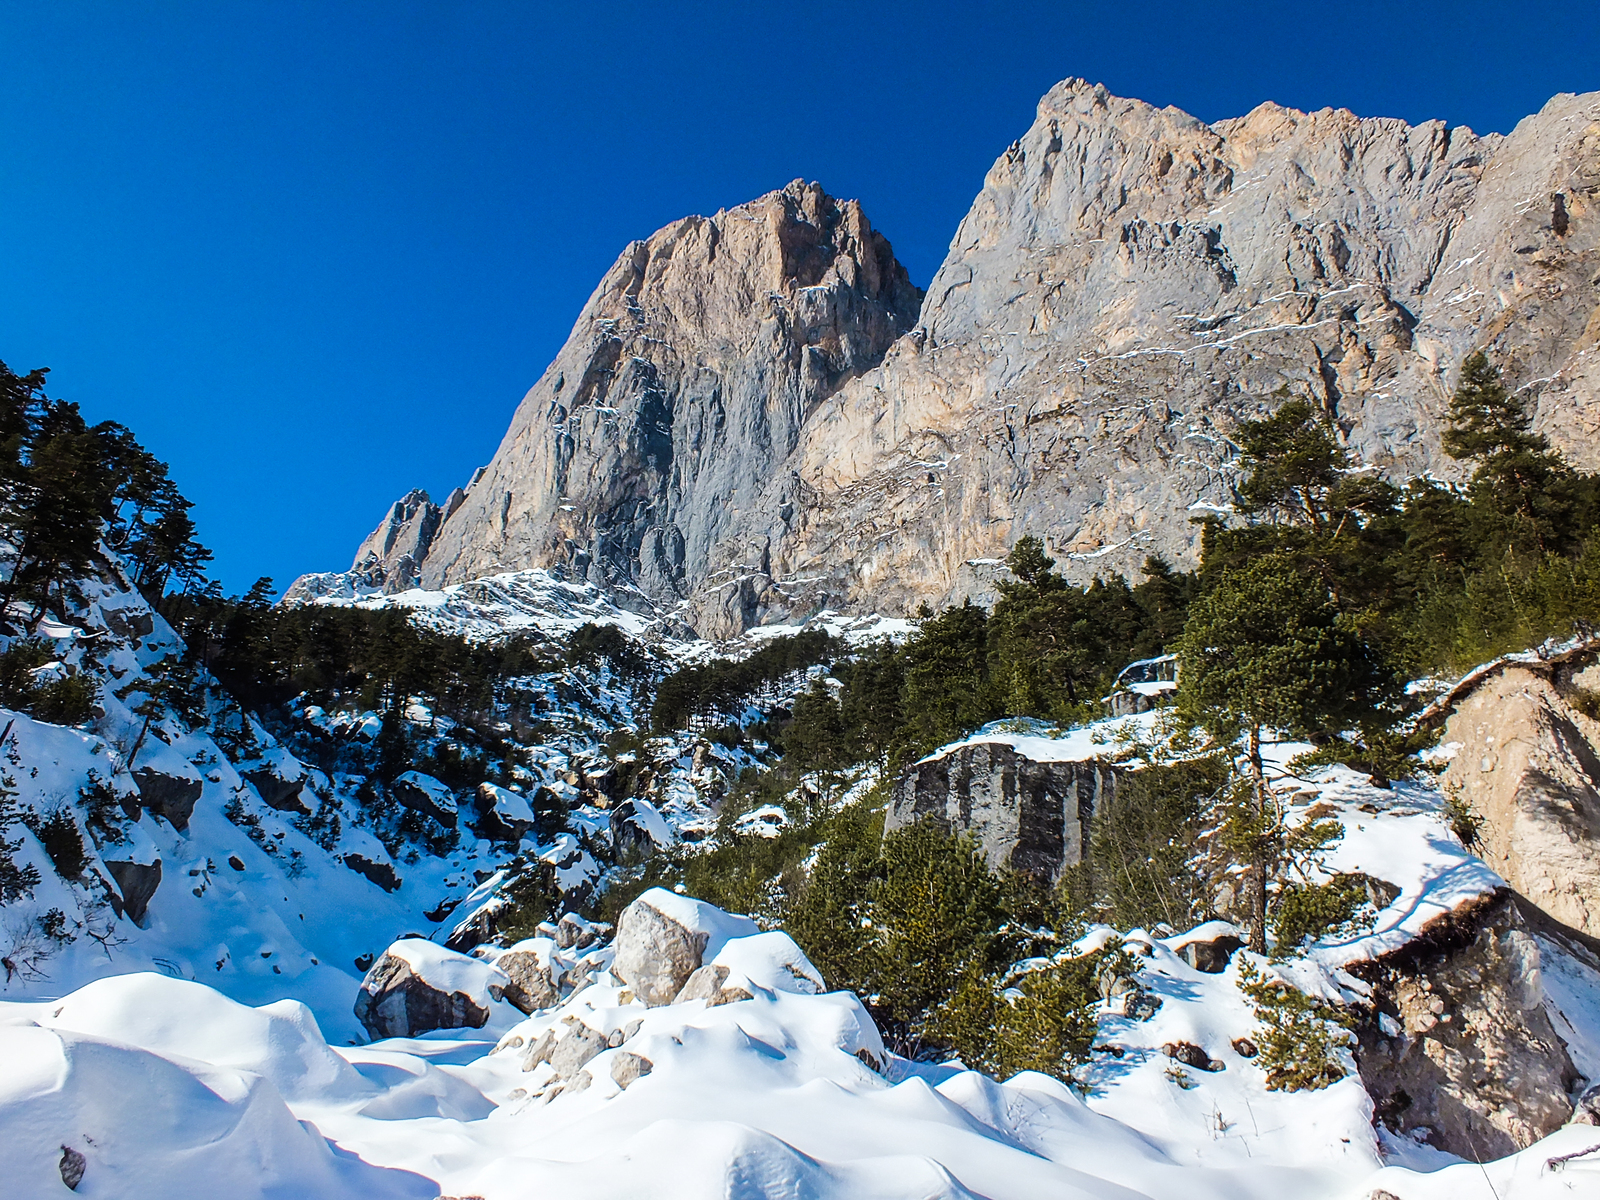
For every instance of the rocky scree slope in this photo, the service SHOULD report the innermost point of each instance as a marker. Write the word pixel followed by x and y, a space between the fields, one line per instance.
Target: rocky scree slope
pixel 1128 284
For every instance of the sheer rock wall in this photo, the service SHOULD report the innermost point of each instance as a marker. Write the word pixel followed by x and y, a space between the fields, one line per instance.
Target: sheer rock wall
pixel 751 414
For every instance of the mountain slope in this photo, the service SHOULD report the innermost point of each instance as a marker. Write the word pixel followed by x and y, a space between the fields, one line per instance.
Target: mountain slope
pixel 683 387
pixel 1129 283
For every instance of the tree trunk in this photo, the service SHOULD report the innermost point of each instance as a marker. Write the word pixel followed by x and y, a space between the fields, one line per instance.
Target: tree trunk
pixel 1258 930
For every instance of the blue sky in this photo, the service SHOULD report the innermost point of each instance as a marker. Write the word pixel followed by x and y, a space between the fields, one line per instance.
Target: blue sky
pixel 313 254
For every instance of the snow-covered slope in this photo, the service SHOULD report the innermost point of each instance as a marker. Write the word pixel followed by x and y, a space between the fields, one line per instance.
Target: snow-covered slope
pixel 789 1093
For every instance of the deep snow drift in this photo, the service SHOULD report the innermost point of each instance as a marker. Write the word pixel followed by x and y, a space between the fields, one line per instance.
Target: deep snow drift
pixel 165 1087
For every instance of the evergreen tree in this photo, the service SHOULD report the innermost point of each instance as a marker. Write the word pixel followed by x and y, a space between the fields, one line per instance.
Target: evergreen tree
pixel 1295 462
pixel 1517 473
pixel 1267 648
pixel 947 687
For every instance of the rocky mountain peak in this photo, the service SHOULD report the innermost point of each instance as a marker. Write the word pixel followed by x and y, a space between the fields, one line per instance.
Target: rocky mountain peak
pixel 734 423
pixel 686 381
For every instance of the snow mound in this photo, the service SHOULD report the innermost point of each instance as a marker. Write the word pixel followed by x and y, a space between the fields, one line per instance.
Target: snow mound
pixel 170 1090
pixel 148 1126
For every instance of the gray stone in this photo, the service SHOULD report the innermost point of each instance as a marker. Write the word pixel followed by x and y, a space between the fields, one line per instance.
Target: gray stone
pixel 1191 1055
pixel 530 988
pixel 169 796
pixel 654 954
pixel 628 1067
pixel 709 983
pixel 1529 767
pixel 72 1166
pixel 394 1001
pixel 131 624
pixel 572 1050
pixel 138 883
pixel 1031 817
pixel 1587 1110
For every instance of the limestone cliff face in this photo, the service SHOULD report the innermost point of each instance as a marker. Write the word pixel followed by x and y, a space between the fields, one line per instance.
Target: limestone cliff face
pixel 1528 767
pixel 684 387
pixel 734 421
pixel 1130 282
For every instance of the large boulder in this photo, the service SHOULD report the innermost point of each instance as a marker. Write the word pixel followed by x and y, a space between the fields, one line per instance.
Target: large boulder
pixel 168 794
pixel 1209 947
pixel 663 938
pixel 426 795
pixel 1529 768
pixel 503 815
pixel 655 953
pixel 417 986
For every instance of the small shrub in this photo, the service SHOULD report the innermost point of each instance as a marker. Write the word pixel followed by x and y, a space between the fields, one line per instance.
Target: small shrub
pixel 1586 701
pixel 1308 912
pixel 57 831
pixel 1299 1037
pixel 1461 817
pixel 67 701
pixel 1041 1019
pixel 103 812
pixel 531 897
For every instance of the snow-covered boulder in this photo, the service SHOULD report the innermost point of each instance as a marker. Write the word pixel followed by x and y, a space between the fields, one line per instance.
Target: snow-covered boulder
pixel 417 986
pixel 1209 947
pixel 426 795
pixel 639 824
pixel 503 815
pixel 662 938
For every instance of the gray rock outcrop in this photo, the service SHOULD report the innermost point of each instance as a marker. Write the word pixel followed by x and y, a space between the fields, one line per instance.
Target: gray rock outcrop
pixel 1460 1048
pixel 276 792
pixel 1028 816
pixel 655 955
pixel 1528 767
pixel 685 384
pixel 724 423
pixel 170 796
pixel 390 560
pixel 137 883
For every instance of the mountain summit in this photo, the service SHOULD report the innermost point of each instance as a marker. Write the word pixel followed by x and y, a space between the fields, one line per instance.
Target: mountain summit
pixel 750 416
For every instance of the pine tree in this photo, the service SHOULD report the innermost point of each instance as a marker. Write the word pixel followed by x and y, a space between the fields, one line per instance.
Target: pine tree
pixel 1517 472
pixel 1264 649
pixel 1294 462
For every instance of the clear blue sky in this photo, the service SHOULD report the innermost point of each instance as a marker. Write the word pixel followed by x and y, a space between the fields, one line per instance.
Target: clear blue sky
pixel 313 254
